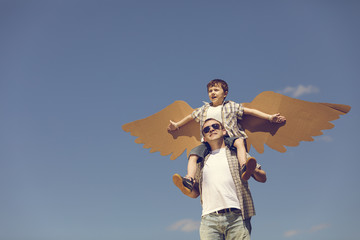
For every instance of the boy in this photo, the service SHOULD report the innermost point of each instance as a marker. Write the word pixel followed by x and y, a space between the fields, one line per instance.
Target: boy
pixel 228 113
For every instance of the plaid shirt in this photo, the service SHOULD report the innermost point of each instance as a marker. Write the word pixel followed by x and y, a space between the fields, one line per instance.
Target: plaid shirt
pixel 242 188
pixel 231 112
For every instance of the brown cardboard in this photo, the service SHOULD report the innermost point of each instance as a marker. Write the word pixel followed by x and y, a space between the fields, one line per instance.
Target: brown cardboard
pixel 152 131
pixel 303 121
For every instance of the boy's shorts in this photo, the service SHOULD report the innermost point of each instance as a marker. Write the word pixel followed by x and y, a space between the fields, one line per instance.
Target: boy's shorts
pixel 204 149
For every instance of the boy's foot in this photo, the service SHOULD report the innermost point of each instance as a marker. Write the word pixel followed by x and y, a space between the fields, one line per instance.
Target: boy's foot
pixel 184 184
pixel 249 168
pixel 188 183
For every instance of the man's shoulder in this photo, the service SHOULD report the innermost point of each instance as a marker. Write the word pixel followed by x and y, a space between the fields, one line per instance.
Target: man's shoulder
pixel 231 151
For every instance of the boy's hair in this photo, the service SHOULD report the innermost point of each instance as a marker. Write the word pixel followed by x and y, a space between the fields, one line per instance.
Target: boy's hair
pixel 220 82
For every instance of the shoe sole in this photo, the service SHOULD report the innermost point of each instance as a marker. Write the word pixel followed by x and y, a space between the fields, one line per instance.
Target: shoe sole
pixel 178 181
pixel 250 168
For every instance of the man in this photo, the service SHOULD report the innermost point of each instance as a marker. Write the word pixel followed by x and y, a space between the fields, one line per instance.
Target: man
pixel 226 199
pixel 229 112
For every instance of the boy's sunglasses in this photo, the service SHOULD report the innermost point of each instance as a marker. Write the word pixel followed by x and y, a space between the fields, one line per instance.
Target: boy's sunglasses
pixel 215 126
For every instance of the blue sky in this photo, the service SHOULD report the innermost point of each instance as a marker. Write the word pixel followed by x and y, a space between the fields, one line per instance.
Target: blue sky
pixel 73 72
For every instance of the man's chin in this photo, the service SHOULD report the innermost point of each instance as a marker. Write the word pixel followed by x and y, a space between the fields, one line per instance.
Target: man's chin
pixel 214 137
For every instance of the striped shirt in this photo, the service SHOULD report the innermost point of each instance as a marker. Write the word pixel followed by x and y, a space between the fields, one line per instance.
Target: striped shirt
pixel 231 113
pixel 242 188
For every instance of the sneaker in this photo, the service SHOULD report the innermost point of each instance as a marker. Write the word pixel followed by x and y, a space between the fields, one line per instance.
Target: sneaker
pixel 184 184
pixel 249 168
pixel 188 183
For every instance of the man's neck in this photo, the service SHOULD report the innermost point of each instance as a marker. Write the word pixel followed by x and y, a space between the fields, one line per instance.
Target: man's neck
pixel 215 145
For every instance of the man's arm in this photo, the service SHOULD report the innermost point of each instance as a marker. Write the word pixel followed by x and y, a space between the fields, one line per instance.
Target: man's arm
pixel 176 125
pixel 274 118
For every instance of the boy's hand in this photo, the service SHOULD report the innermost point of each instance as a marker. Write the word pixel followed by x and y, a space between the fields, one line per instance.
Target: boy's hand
pixel 172 126
pixel 277 118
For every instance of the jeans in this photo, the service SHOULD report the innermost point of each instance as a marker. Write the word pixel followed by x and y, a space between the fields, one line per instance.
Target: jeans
pixel 225 226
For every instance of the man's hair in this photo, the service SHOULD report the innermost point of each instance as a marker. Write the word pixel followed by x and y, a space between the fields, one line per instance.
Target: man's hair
pixel 219 82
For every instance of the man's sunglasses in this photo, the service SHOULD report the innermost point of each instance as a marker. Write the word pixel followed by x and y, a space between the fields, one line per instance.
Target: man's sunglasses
pixel 215 126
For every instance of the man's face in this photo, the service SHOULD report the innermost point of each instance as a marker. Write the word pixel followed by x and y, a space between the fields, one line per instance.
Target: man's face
pixel 216 95
pixel 212 130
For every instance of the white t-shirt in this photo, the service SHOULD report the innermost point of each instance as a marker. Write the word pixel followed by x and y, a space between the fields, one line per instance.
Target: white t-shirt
pixel 215 113
pixel 218 188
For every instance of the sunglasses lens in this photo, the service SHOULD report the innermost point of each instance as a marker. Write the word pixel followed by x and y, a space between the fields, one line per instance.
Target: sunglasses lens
pixel 215 126
pixel 206 130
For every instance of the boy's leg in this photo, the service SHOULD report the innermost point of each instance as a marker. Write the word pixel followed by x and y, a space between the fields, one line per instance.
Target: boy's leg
pixel 249 168
pixel 237 144
pixel 188 180
pixel 247 163
pixel 191 168
pixel 178 181
pixel 186 184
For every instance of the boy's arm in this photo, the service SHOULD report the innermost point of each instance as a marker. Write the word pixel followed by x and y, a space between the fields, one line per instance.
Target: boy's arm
pixel 176 125
pixel 274 118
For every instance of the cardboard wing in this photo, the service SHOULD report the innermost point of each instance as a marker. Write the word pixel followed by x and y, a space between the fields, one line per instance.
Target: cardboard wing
pixel 152 131
pixel 303 121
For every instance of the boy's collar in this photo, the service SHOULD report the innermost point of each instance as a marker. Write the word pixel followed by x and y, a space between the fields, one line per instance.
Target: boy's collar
pixel 210 104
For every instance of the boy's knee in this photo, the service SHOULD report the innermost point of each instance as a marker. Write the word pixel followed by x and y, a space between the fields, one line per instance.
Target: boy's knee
pixel 193 157
pixel 238 142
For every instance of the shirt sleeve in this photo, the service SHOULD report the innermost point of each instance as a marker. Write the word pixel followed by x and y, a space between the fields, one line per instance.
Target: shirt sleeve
pixel 196 114
pixel 239 110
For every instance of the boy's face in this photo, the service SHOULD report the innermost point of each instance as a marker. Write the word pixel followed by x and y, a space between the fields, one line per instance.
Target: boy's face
pixel 216 95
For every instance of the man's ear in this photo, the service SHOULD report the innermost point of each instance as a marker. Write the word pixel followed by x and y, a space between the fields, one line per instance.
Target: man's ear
pixel 203 138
